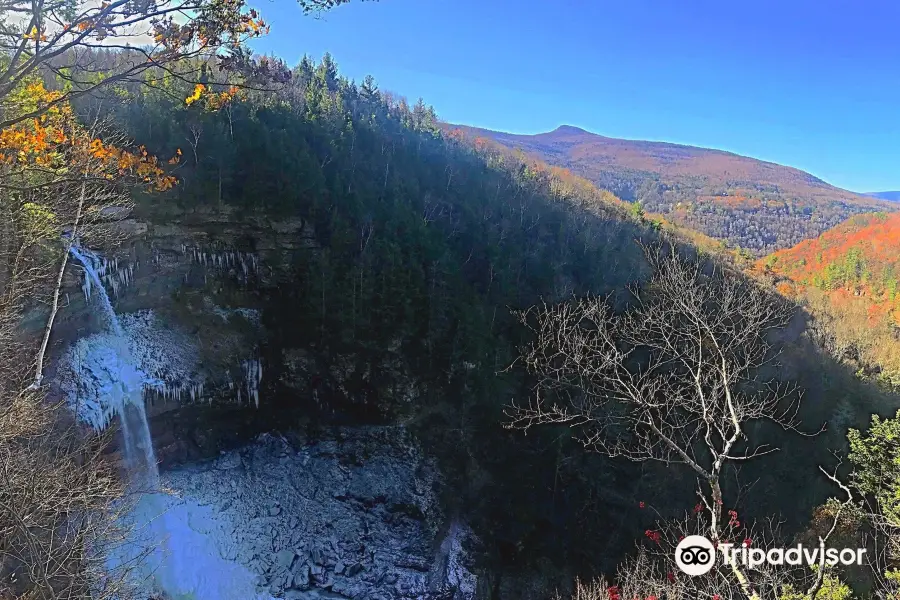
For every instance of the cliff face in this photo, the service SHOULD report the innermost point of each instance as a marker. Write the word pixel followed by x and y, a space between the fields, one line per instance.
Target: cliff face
pixel 344 512
pixel 193 291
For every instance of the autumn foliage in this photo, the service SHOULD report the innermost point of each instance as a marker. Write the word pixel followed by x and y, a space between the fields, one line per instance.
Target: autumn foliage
pixel 849 279
pixel 858 259
pixel 56 141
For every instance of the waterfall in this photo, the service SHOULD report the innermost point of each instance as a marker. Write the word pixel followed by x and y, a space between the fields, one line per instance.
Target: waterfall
pixel 126 387
pixel 171 548
pixel 90 262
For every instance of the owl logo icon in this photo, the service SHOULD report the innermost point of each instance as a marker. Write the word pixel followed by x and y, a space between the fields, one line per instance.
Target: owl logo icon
pixel 695 555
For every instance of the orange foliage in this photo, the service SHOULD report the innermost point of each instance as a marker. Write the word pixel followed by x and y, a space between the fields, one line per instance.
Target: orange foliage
pixel 874 238
pixel 785 288
pixel 57 141
pixel 856 263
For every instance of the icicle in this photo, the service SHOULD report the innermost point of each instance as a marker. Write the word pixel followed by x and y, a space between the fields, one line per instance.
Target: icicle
pixel 86 286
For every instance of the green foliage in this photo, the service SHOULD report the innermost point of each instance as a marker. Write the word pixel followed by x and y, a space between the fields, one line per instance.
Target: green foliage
pixel 412 247
pixel 876 460
pixel 637 210
pixel 832 589
pixel 36 221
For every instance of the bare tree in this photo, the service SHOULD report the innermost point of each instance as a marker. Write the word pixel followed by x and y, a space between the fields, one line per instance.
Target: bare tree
pixel 60 497
pixel 60 503
pixel 679 377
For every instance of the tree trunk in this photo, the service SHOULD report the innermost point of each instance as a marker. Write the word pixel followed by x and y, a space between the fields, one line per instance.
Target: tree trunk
pixel 39 368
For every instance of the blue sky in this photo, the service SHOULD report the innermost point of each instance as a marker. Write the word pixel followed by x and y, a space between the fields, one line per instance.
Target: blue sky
pixel 813 84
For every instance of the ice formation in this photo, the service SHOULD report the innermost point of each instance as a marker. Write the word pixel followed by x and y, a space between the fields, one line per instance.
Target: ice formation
pixel 332 519
pixel 243 264
pixel 328 519
pixel 252 373
pixel 89 262
pixel 98 269
pixel 110 371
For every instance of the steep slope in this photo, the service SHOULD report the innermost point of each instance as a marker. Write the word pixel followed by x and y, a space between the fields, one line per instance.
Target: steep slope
pixel 850 277
pixel 746 202
pixel 391 256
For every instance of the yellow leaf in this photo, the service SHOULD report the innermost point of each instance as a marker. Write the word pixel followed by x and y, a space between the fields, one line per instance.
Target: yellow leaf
pixel 198 91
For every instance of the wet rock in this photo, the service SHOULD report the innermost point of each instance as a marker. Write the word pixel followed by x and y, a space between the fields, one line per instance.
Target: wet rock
pixel 301 576
pixel 416 563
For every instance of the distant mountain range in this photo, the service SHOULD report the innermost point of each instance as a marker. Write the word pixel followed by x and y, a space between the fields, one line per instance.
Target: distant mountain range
pixel 757 205
pixel 892 196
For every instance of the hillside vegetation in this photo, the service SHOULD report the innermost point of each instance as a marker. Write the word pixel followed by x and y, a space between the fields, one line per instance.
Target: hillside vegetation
pixel 747 203
pixel 450 286
pixel 417 247
pixel 850 278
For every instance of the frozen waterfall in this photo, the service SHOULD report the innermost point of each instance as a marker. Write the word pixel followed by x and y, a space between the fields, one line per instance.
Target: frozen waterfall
pixel 170 548
pixel 124 385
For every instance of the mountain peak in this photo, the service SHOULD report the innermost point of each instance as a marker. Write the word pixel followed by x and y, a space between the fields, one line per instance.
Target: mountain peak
pixel 569 129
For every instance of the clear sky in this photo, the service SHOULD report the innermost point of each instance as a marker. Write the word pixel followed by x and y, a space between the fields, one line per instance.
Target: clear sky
pixel 813 84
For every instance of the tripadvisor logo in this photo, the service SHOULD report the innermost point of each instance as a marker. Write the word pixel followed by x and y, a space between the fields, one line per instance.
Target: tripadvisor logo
pixel 696 555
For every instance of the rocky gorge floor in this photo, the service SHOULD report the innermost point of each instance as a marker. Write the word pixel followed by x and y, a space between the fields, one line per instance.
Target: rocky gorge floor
pixel 353 516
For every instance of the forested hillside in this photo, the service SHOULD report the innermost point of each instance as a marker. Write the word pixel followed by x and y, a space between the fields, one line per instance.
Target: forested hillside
pixel 417 248
pixel 849 277
pixel 747 203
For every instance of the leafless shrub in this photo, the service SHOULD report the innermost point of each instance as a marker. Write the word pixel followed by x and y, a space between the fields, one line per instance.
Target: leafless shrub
pixel 679 377
pixel 60 497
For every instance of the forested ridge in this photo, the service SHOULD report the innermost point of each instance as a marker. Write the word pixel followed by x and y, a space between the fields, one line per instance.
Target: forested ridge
pixel 746 203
